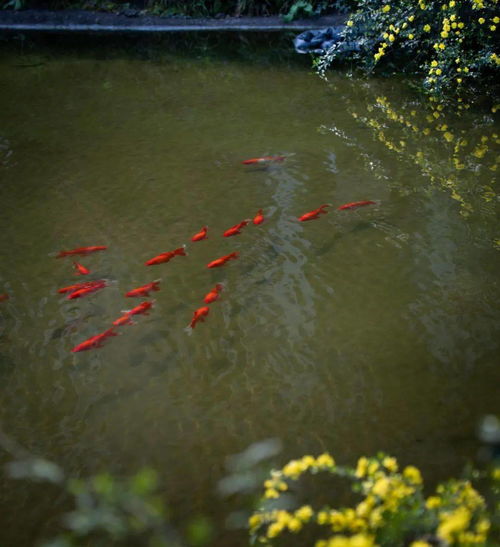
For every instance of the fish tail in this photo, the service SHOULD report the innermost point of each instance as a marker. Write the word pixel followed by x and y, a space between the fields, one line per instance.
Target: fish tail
pixel 236 254
pixel 219 286
pixel 181 251
pixel 61 254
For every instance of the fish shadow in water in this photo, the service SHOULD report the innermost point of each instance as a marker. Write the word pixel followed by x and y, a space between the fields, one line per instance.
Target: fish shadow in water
pixel 328 246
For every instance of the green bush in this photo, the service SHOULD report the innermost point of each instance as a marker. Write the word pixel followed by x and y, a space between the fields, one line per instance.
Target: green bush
pixel 450 45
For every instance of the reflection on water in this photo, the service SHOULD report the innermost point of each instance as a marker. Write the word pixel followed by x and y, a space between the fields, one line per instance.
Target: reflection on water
pixel 369 329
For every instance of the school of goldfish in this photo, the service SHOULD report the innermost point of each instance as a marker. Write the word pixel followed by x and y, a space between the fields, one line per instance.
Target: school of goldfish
pixel 85 288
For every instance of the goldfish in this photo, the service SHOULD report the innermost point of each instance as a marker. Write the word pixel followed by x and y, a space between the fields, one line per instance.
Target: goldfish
pixel 81 251
pixel 222 260
pixel 264 159
pixel 80 270
pixel 199 315
pixel 258 218
pixel 355 205
pixel 3 297
pixel 165 257
pixel 145 289
pixel 202 234
pixel 77 286
pixel 123 320
pixel 141 309
pixel 214 294
pixel 84 291
pixel 236 229
pixel 313 215
pixel 95 341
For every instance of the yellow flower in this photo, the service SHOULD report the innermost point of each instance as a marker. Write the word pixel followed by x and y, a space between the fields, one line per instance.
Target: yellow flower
pixel 381 487
pixel 410 36
pixel 461 25
pixel 411 18
pixel 481 20
pixel 304 513
pixel 427 28
pixel 496 20
pixel 390 463
pixel 349 23
pixel 434 63
pixel 444 34
pixel 325 460
pixel 459 80
pixel 441 46
pixel 426 131
pixel 362 467
pixel 386 8
pixel 493 27
pixel 294 525
pixel 255 520
pixel 438 71
pixel 411 473
pixel 453 523
pixel 391 38
pixel 420 544
pixel 448 136
pixel 452 4
pixel 453 17
pixel 432 502
pixel 271 493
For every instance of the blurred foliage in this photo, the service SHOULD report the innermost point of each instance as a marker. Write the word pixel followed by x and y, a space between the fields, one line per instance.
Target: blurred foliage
pixel 391 509
pixel 290 9
pixel 451 45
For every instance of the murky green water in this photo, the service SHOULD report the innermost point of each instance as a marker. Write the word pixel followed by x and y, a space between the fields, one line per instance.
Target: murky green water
pixel 365 330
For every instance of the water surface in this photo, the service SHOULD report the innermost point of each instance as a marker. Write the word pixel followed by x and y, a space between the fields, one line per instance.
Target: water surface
pixel 366 330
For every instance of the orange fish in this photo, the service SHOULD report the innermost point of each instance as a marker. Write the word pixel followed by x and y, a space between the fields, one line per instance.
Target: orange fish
pixel 81 251
pixel 77 286
pixel 141 309
pixel 95 341
pixel 3 297
pixel 84 291
pixel 202 234
pixel 165 257
pixel 355 205
pixel 258 218
pixel 264 159
pixel 80 270
pixel 313 215
pixel 236 229
pixel 214 294
pixel 199 315
pixel 145 289
pixel 123 320
pixel 222 260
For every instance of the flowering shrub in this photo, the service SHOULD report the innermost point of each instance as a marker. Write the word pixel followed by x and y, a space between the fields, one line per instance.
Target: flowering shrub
pixel 451 44
pixel 393 510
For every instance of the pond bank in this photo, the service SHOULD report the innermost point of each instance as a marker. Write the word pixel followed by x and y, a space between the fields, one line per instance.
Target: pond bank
pixel 88 21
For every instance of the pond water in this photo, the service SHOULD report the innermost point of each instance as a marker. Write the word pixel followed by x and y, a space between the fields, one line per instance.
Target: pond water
pixel 369 329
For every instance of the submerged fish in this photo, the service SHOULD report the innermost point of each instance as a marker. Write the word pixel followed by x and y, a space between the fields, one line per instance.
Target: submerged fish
pixel 95 341
pixel 166 257
pixel 263 159
pixel 258 218
pixel 77 286
pixel 123 320
pixel 222 260
pixel 202 234
pixel 214 294
pixel 4 296
pixel 313 215
pixel 81 251
pixel 145 289
pixel 355 205
pixel 199 315
pixel 236 229
pixel 141 309
pixel 80 270
pixel 84 291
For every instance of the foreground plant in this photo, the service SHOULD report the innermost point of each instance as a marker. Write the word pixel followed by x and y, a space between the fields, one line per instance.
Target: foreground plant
pixel 392 511
pixel 452 45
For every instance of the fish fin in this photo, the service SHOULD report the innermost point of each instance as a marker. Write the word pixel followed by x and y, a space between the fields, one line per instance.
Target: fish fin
pixel 189 330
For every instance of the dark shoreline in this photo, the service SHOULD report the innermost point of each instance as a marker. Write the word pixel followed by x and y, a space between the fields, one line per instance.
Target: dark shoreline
pixel 75 21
